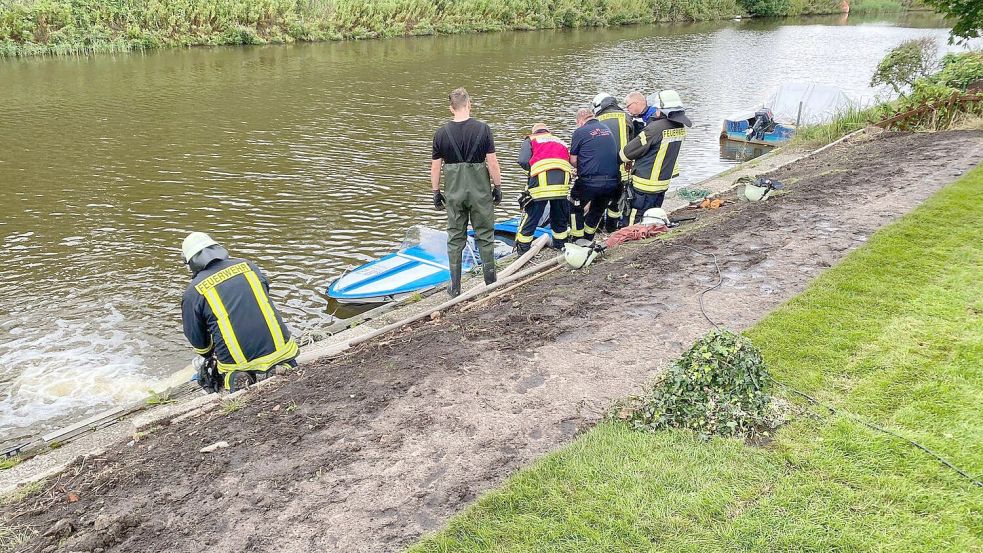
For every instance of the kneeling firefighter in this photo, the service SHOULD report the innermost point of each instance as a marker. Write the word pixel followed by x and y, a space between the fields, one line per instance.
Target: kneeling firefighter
pixel 547 159
pixel 655 153
pixel 230 319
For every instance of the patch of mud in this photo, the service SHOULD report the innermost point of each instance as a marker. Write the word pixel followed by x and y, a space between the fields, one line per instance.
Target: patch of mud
pixel 369 451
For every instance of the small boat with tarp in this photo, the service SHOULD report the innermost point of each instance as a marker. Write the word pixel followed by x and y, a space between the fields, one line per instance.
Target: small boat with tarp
pixel 774 121
pixel 420 264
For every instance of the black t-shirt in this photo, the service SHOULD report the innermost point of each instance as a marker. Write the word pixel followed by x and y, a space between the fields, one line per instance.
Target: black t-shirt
pixel 596 149
pixel 473 139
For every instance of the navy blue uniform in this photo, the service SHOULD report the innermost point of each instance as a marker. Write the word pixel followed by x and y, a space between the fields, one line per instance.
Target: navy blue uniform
pixel 226 310
pixel 598 177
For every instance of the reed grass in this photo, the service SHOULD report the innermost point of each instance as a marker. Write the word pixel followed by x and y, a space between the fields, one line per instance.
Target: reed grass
pixel 72 27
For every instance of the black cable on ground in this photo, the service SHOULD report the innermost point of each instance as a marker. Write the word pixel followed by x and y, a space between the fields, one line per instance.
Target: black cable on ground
pixel 814 401
pixel 720 280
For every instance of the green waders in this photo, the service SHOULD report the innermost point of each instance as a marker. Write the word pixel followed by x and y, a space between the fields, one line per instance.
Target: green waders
pixel 467 188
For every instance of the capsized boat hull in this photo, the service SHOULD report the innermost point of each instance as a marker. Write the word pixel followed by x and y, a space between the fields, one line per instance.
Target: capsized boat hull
pixel 415 269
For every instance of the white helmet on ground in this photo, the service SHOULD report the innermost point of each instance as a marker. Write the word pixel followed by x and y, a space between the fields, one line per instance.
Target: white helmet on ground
pixel 756 193
pixel 578 257
pixel 655 216
pixel 760 189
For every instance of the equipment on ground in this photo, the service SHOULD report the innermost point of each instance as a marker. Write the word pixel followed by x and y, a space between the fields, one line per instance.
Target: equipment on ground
pixel 756 190
pixel 655 216
pixel 578 256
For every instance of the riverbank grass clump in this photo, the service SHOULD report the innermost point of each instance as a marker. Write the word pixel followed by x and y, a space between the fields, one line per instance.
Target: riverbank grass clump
pixel 720 387
pixel 890 335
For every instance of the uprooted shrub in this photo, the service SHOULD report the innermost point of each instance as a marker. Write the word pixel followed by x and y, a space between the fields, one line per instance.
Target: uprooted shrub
pixel 720 387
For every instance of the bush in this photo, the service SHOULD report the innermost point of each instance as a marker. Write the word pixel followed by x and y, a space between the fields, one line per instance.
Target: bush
pixel 719 387
pixel 960 70
pixel 766 8
pixel 905 64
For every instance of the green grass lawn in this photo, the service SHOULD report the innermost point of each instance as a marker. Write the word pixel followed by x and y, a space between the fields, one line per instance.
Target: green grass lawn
pixel 893 334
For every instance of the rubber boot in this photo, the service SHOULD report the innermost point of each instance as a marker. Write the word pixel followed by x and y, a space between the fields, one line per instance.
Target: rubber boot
pixel 490 272
pixel 454 290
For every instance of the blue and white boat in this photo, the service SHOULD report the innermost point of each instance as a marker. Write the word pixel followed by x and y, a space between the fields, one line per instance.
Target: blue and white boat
pixel 420 264
pixel 773 122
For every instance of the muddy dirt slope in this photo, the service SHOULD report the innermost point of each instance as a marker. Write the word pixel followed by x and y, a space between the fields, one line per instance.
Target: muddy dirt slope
pixel 369 451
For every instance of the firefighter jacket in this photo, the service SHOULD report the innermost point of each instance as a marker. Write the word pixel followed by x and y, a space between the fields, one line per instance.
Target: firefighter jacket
pixel 226 310
pixel 655 152
pixel 621 127
pixel 547 159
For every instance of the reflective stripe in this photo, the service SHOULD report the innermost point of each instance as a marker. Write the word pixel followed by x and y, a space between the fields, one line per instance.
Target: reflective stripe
pixel 614 213
pixel 545 191
pixel 206 349
pixel 224 324
pixel 622 125
pixel 561 235
pixel 574 230
pixel 643 139
pixel 589 229
pixel 264 306
pixel 649 185
pixel 286 353
pixel 523 238
pixel 544 165
pixel 631 218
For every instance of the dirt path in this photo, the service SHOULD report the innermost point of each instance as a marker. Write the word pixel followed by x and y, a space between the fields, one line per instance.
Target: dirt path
pixel 369 451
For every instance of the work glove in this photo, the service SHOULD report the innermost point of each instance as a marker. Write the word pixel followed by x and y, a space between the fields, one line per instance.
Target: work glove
pixel 497 195
pixel 438 200
pixel 524 199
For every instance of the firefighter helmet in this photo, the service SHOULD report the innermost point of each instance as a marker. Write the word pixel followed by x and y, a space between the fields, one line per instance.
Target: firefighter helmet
pixel 655 216
pixel 578 257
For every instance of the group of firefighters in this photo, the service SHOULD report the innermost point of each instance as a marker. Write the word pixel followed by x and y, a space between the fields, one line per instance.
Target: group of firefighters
pixel 618 165
pixel 616 168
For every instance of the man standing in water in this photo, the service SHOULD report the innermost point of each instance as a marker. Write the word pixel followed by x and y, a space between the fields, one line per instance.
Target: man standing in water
pixel 228 315
pixel 466 150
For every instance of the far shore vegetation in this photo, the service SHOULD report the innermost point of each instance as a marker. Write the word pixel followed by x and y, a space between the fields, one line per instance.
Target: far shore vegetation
pixel 70 27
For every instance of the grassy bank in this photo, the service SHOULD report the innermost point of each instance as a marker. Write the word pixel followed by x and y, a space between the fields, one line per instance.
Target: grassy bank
pixel 29 27
pixel 893 334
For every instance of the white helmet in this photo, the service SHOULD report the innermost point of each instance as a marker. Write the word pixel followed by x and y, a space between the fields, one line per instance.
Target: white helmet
pixel 760 189
pixel 669 100
pixel 655 216
pixel 578 257
pixel 756 193
pixel 194 243
pixel 595 104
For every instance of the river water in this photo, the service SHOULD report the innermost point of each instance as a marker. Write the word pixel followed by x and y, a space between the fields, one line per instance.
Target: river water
pixel 308 158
